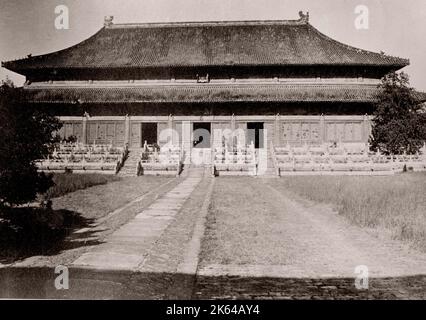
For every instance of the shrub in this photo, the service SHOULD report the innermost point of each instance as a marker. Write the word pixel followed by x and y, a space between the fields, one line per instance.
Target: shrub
pixel 26 136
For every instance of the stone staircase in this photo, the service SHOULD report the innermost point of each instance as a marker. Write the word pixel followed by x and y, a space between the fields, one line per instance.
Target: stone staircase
pixel 270 171
pixel 130 166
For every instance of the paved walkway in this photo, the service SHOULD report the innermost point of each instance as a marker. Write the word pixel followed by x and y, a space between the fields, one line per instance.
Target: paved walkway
pixel 128 247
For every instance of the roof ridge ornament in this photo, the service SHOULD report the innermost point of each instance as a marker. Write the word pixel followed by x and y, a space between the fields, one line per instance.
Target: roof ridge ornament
pixel 108 21
pixel 304 17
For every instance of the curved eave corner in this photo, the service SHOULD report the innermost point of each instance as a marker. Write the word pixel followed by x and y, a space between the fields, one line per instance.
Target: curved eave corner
pixel 388 60
pixel 23 65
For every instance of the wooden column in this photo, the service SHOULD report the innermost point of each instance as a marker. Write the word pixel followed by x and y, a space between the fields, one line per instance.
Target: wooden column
pixel 365 128
pixel 233 138
pixel 84 129
pixel 322 129
pixel 170 127
pixel 170 121
pixel 127 129
pixel 277 129
pixel 186 141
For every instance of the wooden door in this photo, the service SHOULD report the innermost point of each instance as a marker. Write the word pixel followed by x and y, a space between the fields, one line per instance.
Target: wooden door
pixel 135 135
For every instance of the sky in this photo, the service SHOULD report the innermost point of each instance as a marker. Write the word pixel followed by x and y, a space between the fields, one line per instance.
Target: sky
pixel 395 26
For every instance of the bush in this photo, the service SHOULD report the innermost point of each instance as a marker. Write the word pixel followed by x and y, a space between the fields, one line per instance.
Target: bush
pixel 26 136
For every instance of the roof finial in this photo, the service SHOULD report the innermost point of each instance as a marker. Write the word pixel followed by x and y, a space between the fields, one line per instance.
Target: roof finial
pixel 108 21
pixel 304 17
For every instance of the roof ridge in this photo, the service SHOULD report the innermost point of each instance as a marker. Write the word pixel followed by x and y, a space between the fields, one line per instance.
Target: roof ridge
pixel 207 23
pixel 303 19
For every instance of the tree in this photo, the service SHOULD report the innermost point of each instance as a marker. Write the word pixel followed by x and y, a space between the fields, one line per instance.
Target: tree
pixel 26 135
pixel 397 122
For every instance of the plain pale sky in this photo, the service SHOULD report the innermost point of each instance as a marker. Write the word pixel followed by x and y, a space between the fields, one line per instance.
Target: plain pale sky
pixel 395 26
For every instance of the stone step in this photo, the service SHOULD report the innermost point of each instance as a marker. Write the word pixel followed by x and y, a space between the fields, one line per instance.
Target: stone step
pixel 130 166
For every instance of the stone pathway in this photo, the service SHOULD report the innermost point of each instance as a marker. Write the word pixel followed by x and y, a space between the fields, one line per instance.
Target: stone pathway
pixel 127 248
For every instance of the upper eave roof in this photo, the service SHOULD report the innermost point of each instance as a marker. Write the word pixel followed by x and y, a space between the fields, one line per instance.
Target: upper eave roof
pixel 239 43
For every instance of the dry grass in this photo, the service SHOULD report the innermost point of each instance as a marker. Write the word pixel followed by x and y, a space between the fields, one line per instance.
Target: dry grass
pixel 391 204
pixel 98 201
pixel 243 227
pixel 66 183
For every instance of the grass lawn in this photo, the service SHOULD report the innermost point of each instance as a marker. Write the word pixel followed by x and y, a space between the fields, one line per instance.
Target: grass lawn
pixel 244 224
pixel 97 201
pixel 391 204
pixel 26 232
pixel 250 224
pixel 66 183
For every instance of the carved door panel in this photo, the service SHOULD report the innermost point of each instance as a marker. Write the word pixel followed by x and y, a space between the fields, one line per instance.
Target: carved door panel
pixel 177 137
pixel 299 132
pixel 241 133
pixel 101 133
pixel 217 134
pixel 92 133
pixel 68 130
pixel 163 133
pixel 78 131
pixel 119 133
pixel 135 135
pixel 110 133
pixel 357 131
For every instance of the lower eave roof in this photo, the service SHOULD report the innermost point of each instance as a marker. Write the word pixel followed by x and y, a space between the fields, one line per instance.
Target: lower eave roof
pixel 206 93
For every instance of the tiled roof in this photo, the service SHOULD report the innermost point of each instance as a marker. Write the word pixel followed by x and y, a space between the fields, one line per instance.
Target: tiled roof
pixel 268 43
pixel 208 93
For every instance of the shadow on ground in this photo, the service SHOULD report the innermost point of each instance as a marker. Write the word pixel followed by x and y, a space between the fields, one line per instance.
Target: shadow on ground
pixel 97 284
pixel 26 232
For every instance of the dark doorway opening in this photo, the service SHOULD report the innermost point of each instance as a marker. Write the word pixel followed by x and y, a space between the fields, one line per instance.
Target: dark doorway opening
pixel 201 132
pixel 149 133
pixel 255 134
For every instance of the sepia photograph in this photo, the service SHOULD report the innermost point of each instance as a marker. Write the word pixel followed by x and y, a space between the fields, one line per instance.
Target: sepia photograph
pixel 195 150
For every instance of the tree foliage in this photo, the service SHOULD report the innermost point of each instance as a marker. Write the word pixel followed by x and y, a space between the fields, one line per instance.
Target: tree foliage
pixel 398 124
pixel 26 135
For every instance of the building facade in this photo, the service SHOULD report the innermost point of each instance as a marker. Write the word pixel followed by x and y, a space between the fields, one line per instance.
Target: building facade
pixel 263 81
